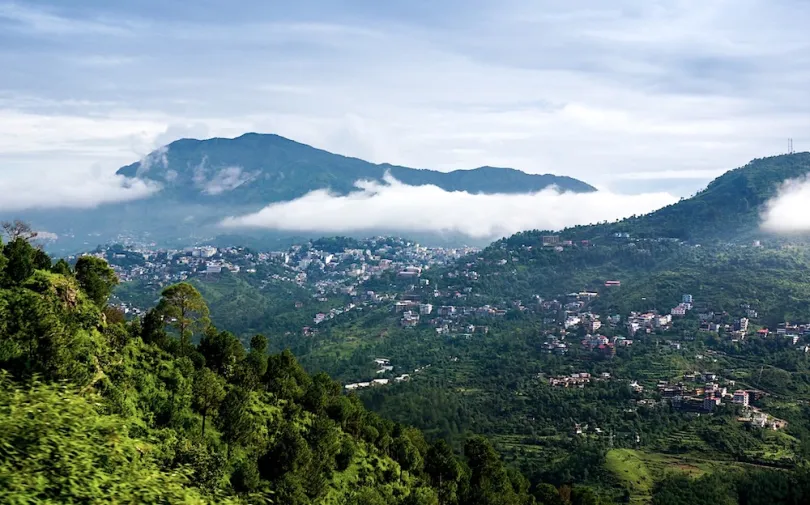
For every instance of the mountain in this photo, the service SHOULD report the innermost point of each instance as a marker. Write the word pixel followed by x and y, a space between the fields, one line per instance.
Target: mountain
pixel 205 181
pixel 261 169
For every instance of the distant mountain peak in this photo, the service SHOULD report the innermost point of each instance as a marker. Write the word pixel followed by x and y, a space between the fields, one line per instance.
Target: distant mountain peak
pixel 265 168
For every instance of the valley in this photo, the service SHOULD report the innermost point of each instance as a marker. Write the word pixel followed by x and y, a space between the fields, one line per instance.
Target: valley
pixel 578 357
pixel 607 358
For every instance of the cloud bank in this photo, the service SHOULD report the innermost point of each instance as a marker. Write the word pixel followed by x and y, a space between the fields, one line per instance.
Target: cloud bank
pixel 396 206
pixel 36 190
pixel 789 210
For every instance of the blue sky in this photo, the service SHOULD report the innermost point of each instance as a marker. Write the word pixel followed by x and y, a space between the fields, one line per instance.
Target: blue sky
pixel 630 96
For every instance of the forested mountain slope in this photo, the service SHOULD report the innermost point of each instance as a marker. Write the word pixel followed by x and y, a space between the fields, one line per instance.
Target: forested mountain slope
pixel 94 409
pixel 728 209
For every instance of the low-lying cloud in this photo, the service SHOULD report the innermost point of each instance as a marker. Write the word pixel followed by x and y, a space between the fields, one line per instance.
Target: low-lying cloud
pixel 396 206
pixel 789 210
pixel 227 179
pixel 35 190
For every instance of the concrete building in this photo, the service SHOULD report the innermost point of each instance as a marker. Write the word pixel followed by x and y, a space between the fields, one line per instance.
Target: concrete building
pixel 741 397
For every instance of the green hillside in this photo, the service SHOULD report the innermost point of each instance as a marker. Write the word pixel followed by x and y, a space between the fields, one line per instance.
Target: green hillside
pixel 727 210
pixel 96 410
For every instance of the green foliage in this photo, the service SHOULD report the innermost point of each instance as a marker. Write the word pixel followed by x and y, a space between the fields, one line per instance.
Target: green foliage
pixel 96 278
pixel 209 391
pixel 138 417
pixel 490 481
pixel 222 351
pixel 236 420
pixel 56 448
pixel 182 306
pixel 62 267
pixel 20 264
pixel 285 377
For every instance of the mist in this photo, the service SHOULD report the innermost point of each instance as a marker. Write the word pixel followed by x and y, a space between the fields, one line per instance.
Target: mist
pixel 789 210
pixel 393 205
pixel 78 190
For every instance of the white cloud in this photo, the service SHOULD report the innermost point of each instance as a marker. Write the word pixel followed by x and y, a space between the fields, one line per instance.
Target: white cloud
pixel 156 159
pixel 789 210
pixel 398 207
pixel 39 189
pixel 45 22
pixel 227 179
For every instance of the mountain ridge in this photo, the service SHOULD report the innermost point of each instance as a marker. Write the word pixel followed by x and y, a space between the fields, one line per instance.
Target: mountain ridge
pixel 729 208
pixel 266 168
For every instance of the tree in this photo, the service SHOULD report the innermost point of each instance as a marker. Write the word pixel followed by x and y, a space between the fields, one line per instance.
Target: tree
pixel 20 261
pixel 184 308
pixel 489 480
pixel 290 453
pixel 208 391
pixel 583 495
pixel 547 494
pixel 444 470
pixel 3 259
pixel 253 368
pixel 55 446
pixel 152 329
pixel 421 496
pixel 96 278
pixel 407 455
pixel 18 229
pixel 321 391
pixel 346 454
pixel 285 377
pixel 62 267
pixel 258 344
pixel 41 260
pixel 245 477
pixel 235 420
pixel 222 351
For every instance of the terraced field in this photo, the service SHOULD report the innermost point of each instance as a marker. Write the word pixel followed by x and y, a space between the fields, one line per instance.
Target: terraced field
pixel 637 471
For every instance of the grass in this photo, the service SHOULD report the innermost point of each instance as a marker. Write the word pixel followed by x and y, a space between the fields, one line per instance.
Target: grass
pixel 365 467
pixel 632 473
pixel 637 471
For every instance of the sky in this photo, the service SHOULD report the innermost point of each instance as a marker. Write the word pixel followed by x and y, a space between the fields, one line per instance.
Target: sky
pixel 632 97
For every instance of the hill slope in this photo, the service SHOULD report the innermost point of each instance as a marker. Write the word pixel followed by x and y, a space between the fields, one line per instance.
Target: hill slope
pixel 729 208
pixel 94 409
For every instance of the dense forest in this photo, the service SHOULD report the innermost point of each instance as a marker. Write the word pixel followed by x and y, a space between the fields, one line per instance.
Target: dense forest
pixel 169 409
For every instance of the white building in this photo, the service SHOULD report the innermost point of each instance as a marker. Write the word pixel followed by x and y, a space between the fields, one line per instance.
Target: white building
pixel 741 397
pixel 204 252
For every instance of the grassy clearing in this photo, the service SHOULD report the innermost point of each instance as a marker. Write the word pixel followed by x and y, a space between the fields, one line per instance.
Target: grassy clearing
pixel 632 473
pixel 637 471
